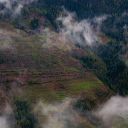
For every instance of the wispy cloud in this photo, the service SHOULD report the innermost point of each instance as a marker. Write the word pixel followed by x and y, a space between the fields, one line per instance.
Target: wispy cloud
pixel 82 32
pixel 13 7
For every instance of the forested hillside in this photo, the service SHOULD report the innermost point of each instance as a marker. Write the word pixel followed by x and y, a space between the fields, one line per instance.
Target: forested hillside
pixel 40 14
pixel 63 63
pixel 114 28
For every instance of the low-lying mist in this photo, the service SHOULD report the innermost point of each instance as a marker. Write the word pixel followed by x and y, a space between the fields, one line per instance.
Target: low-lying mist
pixel 3 122
pixel 58 115
pixel 113 113
pixel 6 117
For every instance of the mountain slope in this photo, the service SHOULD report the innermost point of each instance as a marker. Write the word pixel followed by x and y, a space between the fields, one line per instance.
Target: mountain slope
pixel 60 60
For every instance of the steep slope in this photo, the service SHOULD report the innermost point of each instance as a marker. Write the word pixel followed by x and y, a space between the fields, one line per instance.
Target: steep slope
pixel 50 68
pixel 43 67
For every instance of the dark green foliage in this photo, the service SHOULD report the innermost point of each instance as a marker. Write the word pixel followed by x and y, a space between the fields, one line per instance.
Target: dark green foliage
pixel 106 63
pixel 87 8
pixel 85 104
pixel 94 63
pixel 117 71
pixel 84 9
pixel 24 117
pixel 114 27
pixel 34 23
pixel 123 82
pixel 51 9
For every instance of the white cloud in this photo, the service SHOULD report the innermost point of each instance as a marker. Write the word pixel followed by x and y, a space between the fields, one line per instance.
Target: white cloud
pixel 59 115
pixel 115 108
pixel 15 10
pixel 82 32
pixel 4 117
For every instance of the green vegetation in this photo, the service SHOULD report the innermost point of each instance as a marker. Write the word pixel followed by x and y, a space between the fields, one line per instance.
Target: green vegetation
pixel 51 9
pixel 84 85
pixel 117 71
pixel 85 104
pixel 107 64
pixel 24 118
pixel 34 24
pixel 31 51
pixel 95 63
pixel 36 92
pixel 51 92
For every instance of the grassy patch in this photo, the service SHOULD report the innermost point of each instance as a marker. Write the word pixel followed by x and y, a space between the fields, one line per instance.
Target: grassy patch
pixel 48 94
pixel 36 92
pixel 84 85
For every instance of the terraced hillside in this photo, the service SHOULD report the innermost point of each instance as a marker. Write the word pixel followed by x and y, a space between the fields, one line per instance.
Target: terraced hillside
pixel 43 67
pixel 62 62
